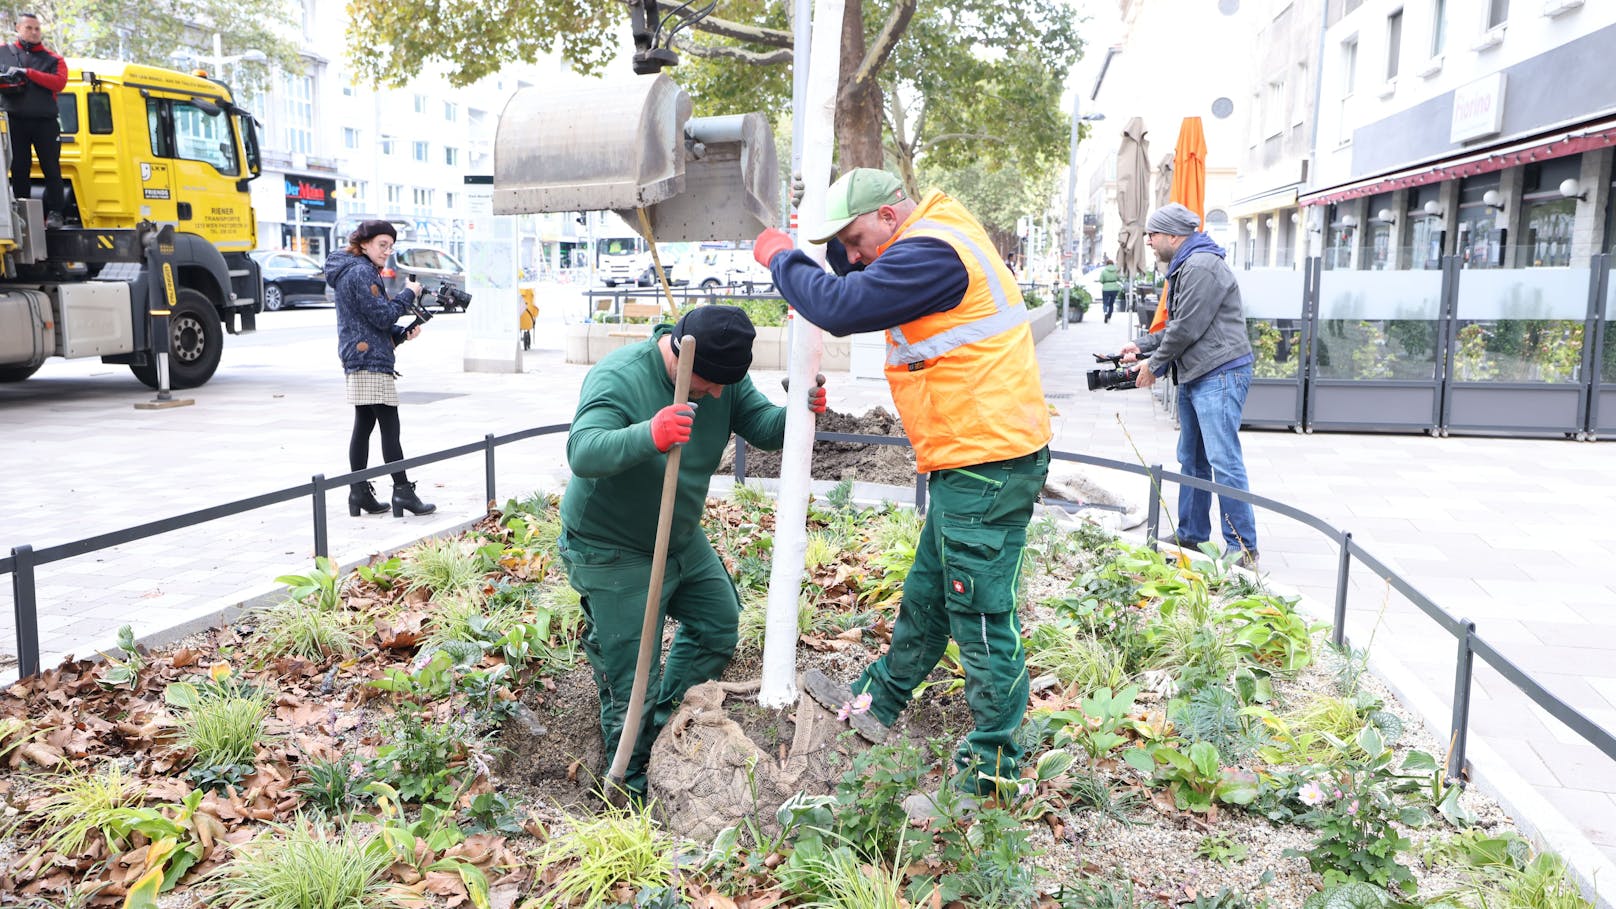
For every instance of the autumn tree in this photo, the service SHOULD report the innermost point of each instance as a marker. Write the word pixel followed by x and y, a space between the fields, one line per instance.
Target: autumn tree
pixel 151 31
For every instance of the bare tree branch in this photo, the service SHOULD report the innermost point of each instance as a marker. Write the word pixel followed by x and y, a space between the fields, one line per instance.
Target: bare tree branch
pixel 752 34
pixel 730 52
pixel 881 49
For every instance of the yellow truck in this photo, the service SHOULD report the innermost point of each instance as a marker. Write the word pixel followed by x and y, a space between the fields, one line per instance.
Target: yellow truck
pixel 157 165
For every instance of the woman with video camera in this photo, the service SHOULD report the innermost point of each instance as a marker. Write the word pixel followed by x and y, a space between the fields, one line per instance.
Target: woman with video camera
pixel 367 333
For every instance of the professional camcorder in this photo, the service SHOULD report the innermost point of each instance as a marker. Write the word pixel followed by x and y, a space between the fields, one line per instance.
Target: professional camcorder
pixel 1117 378
pixel 451 297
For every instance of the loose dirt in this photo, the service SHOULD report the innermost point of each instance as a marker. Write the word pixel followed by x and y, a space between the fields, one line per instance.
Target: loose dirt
pixel 890 465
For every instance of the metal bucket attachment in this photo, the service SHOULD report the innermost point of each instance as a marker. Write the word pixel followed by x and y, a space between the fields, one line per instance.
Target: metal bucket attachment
pixel 732 183
pixel 627 146
pixel 606 145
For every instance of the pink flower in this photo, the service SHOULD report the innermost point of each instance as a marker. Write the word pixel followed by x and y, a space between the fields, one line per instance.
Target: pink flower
pixel 1023 790
pixel 855 707
pixel 1311 794
pixel 1352 808
pixel 1093 722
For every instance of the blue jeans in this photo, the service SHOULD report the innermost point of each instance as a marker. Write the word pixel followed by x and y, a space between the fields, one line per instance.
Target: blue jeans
pixel 1209 449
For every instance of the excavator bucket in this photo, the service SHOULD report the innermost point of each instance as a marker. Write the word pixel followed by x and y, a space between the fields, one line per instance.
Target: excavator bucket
pixel 626 146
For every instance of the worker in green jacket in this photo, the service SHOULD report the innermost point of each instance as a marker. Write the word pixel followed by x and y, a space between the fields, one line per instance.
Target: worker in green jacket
pixel 1110 286
pixel 625 425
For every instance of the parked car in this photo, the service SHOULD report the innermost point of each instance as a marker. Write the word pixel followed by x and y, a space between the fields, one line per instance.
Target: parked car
pixel 429 265
pixel 289 278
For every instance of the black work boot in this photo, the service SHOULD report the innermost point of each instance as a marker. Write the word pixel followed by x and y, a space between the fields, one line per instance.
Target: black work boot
pixel 363 496
pixel 404 497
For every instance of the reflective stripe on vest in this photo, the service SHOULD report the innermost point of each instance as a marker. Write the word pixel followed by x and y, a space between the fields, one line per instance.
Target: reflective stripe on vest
pixel 1005 317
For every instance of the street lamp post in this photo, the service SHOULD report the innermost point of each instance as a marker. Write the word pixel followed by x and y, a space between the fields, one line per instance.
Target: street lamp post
pixel 1071 204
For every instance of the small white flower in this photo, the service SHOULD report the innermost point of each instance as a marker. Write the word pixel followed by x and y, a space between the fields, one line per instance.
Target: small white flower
pixel 1311 794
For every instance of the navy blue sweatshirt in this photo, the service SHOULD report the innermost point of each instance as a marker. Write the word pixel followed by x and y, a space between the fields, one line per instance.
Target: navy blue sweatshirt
pixel 914 277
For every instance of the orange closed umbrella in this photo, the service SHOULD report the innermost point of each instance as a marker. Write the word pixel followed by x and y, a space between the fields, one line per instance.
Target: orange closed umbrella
pixel 1189 188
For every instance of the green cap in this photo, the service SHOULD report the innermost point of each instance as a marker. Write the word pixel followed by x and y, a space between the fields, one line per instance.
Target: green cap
pixel 859 192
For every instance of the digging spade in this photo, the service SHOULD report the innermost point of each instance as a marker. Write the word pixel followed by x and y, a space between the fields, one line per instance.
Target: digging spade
pixel 650 641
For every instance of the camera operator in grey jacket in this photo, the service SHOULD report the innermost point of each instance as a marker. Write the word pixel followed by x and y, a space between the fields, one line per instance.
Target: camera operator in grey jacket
pixel 1206 347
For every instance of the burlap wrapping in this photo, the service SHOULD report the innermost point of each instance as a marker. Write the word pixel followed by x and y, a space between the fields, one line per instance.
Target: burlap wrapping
pixel 706 774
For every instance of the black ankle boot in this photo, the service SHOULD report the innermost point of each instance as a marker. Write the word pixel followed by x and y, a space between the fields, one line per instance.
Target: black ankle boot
pixel 404 497
pixel 363 496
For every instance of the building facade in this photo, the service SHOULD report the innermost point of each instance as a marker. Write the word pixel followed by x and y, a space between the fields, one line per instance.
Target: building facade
pixel 1480 129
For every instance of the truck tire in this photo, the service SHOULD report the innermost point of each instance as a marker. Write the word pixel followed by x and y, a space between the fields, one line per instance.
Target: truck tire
pixel 196 342
pixel 17 373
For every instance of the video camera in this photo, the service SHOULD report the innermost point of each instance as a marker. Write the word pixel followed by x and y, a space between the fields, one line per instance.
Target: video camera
pixel 1117 378
pixel 451 297
pixel 13 80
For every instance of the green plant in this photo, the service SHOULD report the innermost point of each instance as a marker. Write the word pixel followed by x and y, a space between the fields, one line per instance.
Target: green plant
pixel 492 812
pixel 891 553
pixel 1223 899
pixel 382 573
pixel 77 804
pixel 334 786
pixel 1501 871
pixel 320 587
pixel 1076 658
pixel 1096 726
pixel 1354 814
pixel 417 843
pixel 1197 778
pixel 420 757
pixel 1222 848
pixel 302 628
pixel 1269 632
pixel 221 721
pixel 469 617
pixel 1093 790
pixel 837 877
pixel 1098 894
pixel 446 567
pixel 596 855
pixel 125 672
pixel 306 865
pixel 754 620
pixel 1212 714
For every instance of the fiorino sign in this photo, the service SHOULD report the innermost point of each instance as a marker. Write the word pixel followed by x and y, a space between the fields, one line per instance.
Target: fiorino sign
pixel 1478 109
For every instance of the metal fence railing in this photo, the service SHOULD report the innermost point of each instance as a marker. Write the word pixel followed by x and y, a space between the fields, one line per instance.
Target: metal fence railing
pixel 24 559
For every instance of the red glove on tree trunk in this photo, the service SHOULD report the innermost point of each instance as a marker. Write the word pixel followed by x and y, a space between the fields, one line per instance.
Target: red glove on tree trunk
pixel 671 425
pixel 771 243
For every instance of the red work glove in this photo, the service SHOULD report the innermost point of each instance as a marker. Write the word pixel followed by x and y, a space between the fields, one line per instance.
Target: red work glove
pixel 816 395
pixel 771 243
pixel 671 425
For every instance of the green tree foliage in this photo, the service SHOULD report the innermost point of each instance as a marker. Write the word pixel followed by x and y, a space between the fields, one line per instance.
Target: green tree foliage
pixel 149 31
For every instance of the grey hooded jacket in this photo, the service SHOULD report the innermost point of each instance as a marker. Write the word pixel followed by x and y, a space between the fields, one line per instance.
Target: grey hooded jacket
pixel 1206 325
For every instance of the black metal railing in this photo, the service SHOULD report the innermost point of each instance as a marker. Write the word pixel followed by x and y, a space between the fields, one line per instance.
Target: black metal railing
pixel 24 559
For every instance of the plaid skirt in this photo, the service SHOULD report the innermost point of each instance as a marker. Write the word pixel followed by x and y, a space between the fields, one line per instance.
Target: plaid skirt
pixel 372 388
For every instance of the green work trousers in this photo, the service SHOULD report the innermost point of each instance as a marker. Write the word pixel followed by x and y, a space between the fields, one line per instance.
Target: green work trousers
pixel 964 585
pixel 696 590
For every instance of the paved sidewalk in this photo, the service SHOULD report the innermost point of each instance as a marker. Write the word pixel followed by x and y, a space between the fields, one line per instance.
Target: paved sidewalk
pixel 1511 533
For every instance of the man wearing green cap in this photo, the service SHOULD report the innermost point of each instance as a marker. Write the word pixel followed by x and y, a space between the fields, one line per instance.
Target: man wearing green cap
pixel 625 425
pixel 964 377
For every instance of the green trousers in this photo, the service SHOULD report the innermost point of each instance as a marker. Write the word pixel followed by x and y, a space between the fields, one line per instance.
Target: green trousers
pixel 964 585
pixel 696 590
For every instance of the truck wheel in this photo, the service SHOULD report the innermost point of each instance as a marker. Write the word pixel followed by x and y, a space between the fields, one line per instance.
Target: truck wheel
pixel 17 373
pixel 196 341
pixel 273 301
pixel 709 284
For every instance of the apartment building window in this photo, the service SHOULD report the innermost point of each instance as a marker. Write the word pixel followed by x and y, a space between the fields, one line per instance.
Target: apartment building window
pixel 1273 109
pixel 1439 26
pixel 419 151
pixel 1349 82
pixel 297 113
pixel 451 111
pixel 389 145
pixel 347 91
pixel 451 155
pixel 450 200
pixel 423 200
pixel 355 192
pixel 350 137
pixel 1394 43
pixel 395 194
pixel 420 104
pixel 1497 13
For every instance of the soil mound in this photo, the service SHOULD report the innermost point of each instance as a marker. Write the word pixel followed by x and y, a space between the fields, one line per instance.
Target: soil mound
pixel 892 465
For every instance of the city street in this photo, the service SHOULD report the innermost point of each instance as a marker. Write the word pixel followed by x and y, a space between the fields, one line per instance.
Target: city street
pixel 1462 518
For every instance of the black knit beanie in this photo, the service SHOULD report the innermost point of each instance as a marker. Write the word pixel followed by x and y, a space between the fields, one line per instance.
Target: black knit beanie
pixel 723 336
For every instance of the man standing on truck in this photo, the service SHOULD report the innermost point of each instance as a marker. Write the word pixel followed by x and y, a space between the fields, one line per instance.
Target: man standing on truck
pixel 31 75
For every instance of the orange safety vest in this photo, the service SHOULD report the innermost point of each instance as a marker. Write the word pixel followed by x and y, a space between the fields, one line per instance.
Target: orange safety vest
pixel 966 380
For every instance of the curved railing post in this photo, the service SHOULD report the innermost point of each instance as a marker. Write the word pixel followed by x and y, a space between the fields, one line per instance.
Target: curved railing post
pixel 322 542
pixel 26 609
pixel 1153 512
pixel 488 466
pixel 922 483
pixel 740 460
pixel 1461 702
pixel 1338 634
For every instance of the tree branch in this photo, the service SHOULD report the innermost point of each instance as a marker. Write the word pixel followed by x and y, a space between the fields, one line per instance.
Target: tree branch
pixel 751 34
pixel 730 52
pixel 881 49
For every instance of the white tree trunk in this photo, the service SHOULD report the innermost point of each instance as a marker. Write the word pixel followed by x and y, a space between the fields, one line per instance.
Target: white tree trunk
pixel 779 683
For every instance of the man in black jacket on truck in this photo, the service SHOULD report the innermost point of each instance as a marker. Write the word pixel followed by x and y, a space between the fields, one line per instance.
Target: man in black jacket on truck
pixel 31 75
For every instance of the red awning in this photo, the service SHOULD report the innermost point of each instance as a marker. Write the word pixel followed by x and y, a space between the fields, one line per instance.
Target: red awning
pixel 1542 148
